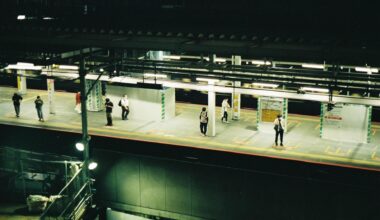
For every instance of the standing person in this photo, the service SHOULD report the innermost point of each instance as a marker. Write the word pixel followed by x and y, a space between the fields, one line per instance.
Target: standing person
pixel 279 128
pixel 109 107
pixel 78 103
pixel 39 103
pixel 16 103
pixel 225 107
pixel 203 121
pixel 124 104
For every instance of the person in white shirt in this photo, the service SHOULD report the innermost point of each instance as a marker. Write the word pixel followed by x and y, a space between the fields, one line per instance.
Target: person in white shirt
pixel 203 118
pixel 124 104
pixel 225 107
pixel 279 128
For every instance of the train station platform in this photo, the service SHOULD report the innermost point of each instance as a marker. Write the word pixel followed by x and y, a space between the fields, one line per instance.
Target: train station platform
pixel 302 141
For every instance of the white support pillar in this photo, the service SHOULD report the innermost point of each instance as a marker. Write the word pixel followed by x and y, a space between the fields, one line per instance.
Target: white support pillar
pixel 51 90
pixel 156 55
pixel 21 82
pixel 236 97
pixel 211 109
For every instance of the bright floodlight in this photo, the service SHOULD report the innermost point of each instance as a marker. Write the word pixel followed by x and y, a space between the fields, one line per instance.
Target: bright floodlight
pixel 21 17
pixel 92 165
pixel 368 70
pixel 313 66
pixel 312 89
pixel 79 146
pixel 269 85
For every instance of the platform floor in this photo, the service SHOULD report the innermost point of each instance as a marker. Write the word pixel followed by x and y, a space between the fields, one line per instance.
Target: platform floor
pixel 302 141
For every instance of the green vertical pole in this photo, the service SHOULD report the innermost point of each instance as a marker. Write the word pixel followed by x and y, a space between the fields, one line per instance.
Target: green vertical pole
pixel 369 121
pixel 85 136
pixel 321 119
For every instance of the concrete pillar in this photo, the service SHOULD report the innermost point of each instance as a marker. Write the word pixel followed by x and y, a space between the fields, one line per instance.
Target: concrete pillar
pixel 21 82
pixel 236 97
pixel 51 90
pixel 211 110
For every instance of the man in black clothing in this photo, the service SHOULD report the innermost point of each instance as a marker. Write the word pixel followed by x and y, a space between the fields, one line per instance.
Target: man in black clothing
pixel 279 128
pixel 39 103
pixel 16 103
pixel 109 107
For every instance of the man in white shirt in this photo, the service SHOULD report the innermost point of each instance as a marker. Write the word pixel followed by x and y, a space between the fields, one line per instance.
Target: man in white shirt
pixel 279 128
pixel 124 104
pixel 225 107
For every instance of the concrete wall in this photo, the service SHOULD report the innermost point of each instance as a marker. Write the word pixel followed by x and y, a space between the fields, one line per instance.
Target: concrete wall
pixel 189 190
pixel 144 104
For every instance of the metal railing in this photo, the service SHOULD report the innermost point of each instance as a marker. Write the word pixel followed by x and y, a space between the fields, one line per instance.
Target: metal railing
pixel 73 199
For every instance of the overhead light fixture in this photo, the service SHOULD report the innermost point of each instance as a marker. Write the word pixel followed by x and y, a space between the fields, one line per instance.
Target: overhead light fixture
pixel 155 75
pixel 269 85
pixel 101 70
pixel 219 60
pixel 313 66
pixel 92 165
pixel 21 17
pixel 261 62
pixel 368 70
pixel 68 67
pixel 207 80
pixel 312 89
pixel 23 66
pixel 47 18
pixel 79 146
pixel 171 57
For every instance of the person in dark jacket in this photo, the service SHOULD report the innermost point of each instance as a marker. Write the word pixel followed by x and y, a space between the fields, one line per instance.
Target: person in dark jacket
pixel 39 103
pixel 16 98
pixel 109 107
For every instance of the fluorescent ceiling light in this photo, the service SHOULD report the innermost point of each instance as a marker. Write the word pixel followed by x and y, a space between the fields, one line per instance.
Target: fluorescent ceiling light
pixel 261 62
pixel 47 18
pixel 155 75
pixel 313 66
pixel 23 66
pixel 206 79
pixel 269 85
pixel 311 89
pixel 221 60
pixel 172 57
pixel 68 67
pixel 21 17
pixel 368 70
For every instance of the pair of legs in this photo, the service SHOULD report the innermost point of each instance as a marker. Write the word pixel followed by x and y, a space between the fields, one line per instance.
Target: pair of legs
pixel 203 127
pixel 109 118
pixel 40 115
pixel 225 116
pixel 281 133
pixel 17 109
pixel 124 113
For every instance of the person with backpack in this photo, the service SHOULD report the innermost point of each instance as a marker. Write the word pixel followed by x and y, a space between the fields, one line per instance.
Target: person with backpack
pixel 109 107
pixel 39 103
pixel 203 117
